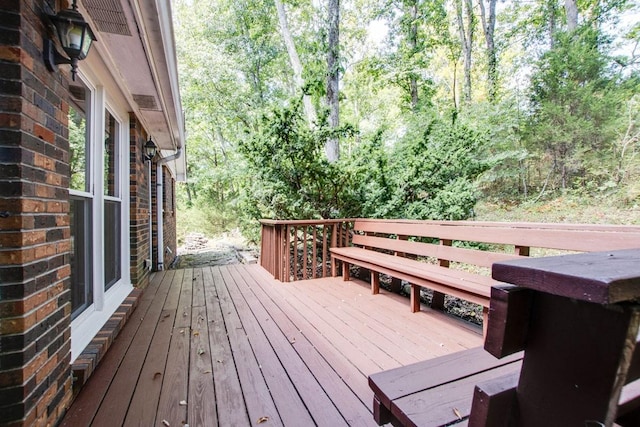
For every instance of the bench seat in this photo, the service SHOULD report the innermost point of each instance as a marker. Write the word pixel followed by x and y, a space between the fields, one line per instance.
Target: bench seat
pixel 437 392
pixel 459 283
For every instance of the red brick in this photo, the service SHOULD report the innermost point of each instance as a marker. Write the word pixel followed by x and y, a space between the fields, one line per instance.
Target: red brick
pixel 9 53
pixel 44 251
pixel 63 247
pixel 46 369
pixel 45 310
pixel 44 133
pixel 16 325
pixel 11 121
pixel 63 272
pixel 16 256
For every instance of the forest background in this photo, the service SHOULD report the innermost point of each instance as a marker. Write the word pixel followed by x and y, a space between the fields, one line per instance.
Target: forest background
pixel 440 109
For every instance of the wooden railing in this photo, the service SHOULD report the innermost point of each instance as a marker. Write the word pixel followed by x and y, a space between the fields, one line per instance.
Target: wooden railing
pixel 299 249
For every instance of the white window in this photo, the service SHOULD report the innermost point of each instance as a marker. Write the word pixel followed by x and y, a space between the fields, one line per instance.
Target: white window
pixel 98 142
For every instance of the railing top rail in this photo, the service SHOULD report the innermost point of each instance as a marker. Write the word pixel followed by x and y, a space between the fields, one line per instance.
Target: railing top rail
pixel 488 224
pixel 506 224
pixel 274 222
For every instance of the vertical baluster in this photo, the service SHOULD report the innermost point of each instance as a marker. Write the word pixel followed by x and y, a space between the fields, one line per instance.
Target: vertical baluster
pixel 325 227
pixel 314 263
pixel 334 243
pixel 305 250
pixel 295 253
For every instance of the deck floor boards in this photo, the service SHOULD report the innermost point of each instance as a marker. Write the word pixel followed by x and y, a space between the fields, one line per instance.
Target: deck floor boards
pixel 230 346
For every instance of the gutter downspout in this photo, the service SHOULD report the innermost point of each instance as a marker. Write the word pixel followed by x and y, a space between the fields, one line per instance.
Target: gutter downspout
pixel 159 210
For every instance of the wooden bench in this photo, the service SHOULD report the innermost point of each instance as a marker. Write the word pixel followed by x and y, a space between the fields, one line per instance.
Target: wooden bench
pixel 577 318
pixel 435 392
pixel 429 254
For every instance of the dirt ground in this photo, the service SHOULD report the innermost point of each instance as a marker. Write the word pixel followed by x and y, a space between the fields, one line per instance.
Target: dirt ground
pixel 201 251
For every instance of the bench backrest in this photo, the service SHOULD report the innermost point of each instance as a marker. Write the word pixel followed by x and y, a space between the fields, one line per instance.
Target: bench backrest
pixel 523 236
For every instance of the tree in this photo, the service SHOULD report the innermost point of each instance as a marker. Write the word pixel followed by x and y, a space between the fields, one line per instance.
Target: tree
pixel 466 29
pixel 571 10
pixel 332 147
pixel 574 107
pixel 295 63
pixel 489 25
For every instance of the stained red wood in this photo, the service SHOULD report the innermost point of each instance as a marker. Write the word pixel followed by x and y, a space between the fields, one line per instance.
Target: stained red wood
pixel 404 381
pixel 86 405
pixel 441 252
pixel 230 404
pixel 144 402
pixel 201 394
pixel 492 400
pixel 465 285
pixel 446 404
pixel 509 316
pixel 324 371
pixel 240 357
pixel 576 237
pixel 601 277
pixel 123 383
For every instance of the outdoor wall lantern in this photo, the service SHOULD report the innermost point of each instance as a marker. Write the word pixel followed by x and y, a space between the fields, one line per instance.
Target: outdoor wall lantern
pixel 150 149
pixel 75 37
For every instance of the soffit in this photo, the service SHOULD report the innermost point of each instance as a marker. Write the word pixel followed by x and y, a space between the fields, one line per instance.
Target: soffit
pixel 135 40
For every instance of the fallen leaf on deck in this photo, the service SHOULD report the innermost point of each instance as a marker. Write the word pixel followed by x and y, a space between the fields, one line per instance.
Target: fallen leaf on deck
pixel 183 403
pixel 166 315
pixel 220 361
pixel 196 333
pixel 208 371
pixel 165 422
pixel 200 351
pixel 156 375
pixel 262 420
pixel 182 331
pixel 292 340
pixel 458 414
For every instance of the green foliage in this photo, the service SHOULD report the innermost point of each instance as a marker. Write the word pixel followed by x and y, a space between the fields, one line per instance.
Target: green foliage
pixel 292 179
pixel 566 118
pixel 432 171
pixel 77 148
pixel 574 109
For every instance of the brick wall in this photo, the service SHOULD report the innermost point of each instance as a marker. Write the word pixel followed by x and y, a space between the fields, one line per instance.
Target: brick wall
pixel 35 309
pixel 139 199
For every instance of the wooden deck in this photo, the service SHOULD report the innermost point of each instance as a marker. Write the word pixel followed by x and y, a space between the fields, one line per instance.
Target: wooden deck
pixel 230 346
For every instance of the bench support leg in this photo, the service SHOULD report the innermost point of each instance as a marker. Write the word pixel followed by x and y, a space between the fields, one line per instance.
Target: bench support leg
pixel 415 298
pixel 381 414
pixel 396 285
pixel 375 283
pixel 437 301
pixel 345 271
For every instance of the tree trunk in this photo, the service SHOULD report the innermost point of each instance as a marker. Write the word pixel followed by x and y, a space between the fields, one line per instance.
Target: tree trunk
pixel 571 9
pixel 413 44
pixel 489 25
pixel 466 41
pixel 309 109
pixel 552 22
pixel 332 147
